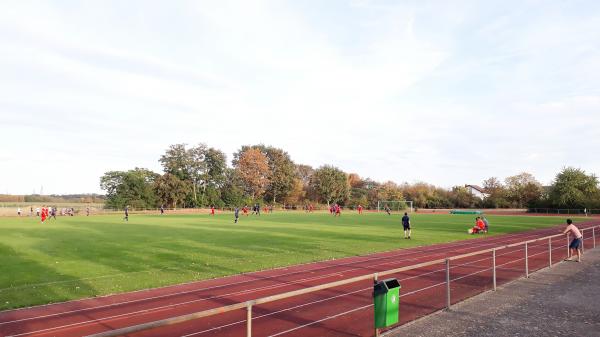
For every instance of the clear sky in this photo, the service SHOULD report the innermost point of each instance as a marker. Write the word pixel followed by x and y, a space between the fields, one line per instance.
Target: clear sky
pixel 447 92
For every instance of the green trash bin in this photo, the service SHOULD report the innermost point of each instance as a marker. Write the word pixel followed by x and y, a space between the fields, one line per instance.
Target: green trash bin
pixel 386 298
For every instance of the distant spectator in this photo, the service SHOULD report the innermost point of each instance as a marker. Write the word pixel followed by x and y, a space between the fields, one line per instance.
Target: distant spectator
pixel 19 211
pixel 126 218
pixel 236 214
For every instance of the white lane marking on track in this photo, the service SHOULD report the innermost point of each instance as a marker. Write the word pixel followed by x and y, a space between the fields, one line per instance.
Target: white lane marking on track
pixel 321 320
pixel 364 307
pixel 588 224
pixel 484 243
pixel 162 308
pixel 93 321
pixel 360 290
pixel 402 253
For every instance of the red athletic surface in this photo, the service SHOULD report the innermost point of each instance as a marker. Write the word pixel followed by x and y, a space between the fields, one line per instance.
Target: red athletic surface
pixel 344 311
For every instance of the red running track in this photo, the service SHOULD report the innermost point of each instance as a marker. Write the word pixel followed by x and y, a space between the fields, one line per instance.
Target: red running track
pixel 344 311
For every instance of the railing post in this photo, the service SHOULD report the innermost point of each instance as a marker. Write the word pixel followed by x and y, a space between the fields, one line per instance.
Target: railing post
pixel 526 261
pixel 594 237
pixel 568 249
pixel 549 252
pixel 375 277
pixel 448 284
pixel 582 250
pixel 494 267
pixel 249 320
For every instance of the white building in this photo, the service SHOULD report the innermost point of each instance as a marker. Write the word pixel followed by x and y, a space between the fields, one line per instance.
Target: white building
pixel 477 191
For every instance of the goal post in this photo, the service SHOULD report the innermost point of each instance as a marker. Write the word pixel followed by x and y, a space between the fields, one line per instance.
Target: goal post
pixel 395 205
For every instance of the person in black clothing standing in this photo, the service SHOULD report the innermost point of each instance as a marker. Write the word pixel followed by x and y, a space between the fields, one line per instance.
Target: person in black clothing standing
pixel 406 225
pixel 236 214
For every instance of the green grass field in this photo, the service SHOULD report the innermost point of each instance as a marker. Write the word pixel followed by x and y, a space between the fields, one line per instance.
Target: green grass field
pixel 77 257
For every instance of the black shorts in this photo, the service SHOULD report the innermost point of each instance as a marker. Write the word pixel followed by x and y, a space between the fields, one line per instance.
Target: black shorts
pixel 406 227
pixel 575 243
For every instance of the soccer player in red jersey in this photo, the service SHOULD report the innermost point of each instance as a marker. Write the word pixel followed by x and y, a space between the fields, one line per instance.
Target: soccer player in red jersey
pixel 44 213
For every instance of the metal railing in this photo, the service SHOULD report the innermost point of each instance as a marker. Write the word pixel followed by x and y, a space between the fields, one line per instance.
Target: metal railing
pixel 248 305
pixel 565 211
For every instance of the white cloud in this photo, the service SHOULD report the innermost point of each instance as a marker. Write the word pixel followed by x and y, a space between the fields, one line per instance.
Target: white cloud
pixel 445 93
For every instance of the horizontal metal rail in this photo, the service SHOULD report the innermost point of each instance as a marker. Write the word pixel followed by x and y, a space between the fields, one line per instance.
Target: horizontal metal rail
pixel 262 300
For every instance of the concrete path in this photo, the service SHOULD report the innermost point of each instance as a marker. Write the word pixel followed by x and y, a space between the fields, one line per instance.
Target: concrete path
pixel 562 301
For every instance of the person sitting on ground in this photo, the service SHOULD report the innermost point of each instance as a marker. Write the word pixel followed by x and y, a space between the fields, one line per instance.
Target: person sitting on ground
pixel 479 226
pixel 575 245
pixel 486 225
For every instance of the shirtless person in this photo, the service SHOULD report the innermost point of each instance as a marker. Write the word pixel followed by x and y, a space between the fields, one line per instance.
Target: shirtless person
pixel 576 242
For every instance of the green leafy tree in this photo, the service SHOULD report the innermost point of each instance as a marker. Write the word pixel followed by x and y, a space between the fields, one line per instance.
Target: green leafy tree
pixel 170 190
pixel 216 164
pixel 496 193
pixel 297 195
pixel 186 164
pixel 200 166
pixel 232 192
pixel 462 198
pixel 282 175
pixel 176 161
pixel 330 184
pixel 522 189
pixel 573 188
pixel 214 176
pixel 129 188
pixel 304 173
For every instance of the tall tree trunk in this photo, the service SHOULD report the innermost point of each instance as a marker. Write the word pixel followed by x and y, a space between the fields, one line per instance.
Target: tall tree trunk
pixel 194 192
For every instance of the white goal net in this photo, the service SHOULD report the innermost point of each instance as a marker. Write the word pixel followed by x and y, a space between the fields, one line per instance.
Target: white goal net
pixel 395 205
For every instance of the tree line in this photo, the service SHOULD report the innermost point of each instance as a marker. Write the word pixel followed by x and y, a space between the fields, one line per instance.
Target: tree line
pixel 198 176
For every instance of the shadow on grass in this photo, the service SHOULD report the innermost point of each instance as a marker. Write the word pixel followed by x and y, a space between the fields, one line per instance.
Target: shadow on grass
pixel 18 275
